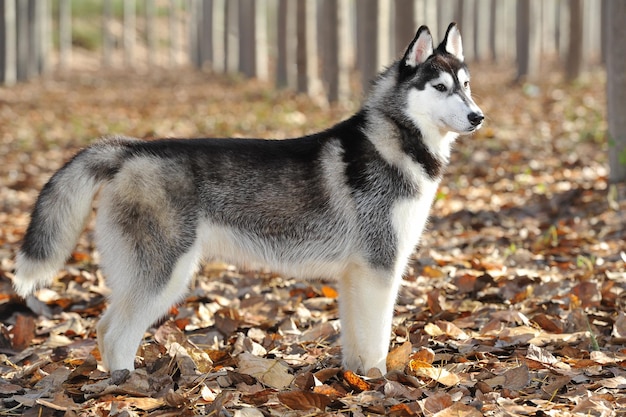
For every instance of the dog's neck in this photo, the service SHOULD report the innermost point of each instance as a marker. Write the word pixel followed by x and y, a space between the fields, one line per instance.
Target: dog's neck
pixel 405 147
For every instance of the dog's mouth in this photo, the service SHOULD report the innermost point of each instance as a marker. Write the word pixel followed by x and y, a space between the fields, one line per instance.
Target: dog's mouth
pixel 462 131
pixel 473 129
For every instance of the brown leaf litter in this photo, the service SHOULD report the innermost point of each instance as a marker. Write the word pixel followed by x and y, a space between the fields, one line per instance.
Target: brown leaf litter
pixel 514 305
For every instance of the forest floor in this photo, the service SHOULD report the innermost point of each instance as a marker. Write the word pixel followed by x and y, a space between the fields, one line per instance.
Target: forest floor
pixel 513 305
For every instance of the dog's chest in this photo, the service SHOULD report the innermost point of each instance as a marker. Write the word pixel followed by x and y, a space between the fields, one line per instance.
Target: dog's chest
pixel 409 218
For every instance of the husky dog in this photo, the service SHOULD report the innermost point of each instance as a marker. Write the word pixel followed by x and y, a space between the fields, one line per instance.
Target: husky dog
pixel 348 203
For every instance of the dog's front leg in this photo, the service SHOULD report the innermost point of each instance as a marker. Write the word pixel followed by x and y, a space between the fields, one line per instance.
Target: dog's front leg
pixel 366 301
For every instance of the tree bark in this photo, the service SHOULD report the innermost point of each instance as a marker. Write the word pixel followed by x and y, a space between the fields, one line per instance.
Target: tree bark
pixel 285 44
pixel 107 38
pixel 574 62
pixel 523 38
pixel 231 36
pixel 65 33
pixel 9 42
pixel 261 61
pixel 130 25
pixel 306 53
pixel 616 91
pixel 217 30
pixel 247 45
pixel 174 33
pixel 404 13
pixel 367 40
pixel 334 28
pixel 493 46
pixel 149 34
pixel 526 40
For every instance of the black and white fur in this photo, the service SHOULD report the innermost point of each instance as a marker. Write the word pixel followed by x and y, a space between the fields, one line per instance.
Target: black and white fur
pixel 348 203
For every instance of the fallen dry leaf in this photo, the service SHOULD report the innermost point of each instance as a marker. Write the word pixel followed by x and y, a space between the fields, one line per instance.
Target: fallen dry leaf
pixel 554 384
pixel 426 355
pixel 355 382
pixel 517 378
pixel 398 358
pixel 143 403
pixel 401 410
pixel 540 355
pixel 329 292
pixel 595 405
pixel 459 410
pixel 23 332
pixel 619 326
pixel 437 374
pixel 435 403
pixel 270 372
pixel 302 400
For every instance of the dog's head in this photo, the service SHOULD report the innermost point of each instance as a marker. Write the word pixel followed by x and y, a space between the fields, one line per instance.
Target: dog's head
pixel 437 84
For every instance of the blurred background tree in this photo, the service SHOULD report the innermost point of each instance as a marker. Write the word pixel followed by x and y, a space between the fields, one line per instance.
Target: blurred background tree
pixel 329 49
pixel 257 38
pixel 616 94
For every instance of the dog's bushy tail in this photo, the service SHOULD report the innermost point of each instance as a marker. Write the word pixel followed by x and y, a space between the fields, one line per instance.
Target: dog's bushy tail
pixel 61 212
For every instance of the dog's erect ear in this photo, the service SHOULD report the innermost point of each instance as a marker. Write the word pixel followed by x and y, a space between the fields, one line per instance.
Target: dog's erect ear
pixel 419 49
pixel 452 42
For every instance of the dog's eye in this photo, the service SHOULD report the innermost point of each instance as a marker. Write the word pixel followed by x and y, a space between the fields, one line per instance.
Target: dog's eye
pixel 466 85
pixel 440 87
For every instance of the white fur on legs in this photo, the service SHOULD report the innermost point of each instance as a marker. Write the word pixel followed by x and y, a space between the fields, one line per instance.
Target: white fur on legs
pixel 120 332
pixel 133 308
pixel 366 301
pixel 349 341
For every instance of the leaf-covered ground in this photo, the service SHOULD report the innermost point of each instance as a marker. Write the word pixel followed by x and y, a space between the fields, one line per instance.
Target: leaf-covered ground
pixel 514 304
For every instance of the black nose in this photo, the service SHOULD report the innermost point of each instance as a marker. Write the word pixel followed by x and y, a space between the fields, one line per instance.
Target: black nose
pixel 475 118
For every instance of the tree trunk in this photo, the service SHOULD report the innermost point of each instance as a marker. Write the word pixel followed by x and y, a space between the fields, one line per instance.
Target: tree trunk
pixel 34 39
pixel 307 49
pixel 367 40
pixel 480 23
pixel 9 43
pixel 523 38
pixel 174 33
pixel 253 50
pixel 107 38
pixel 129 32
pixel 45 34
pixel 574 62
pixel 327 32
pixel 261 61
pixel 23 42
pixel 459 13
pixel 231 36
pixel 247 45
pixel 150 35
pixel 493 45
pixel 604 30
pixel 526 40
pixel 404 13
pixel 206 41
pixel 65 33
pixel 334 30
pixel 217 30
pixel 285 44
pixel 616 91
pixel 426 14
pixel 3 41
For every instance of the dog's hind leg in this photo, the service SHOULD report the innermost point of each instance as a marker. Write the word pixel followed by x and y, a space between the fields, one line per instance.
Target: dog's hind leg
pixel 135 306
pixel 366 301
pixel 148 264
